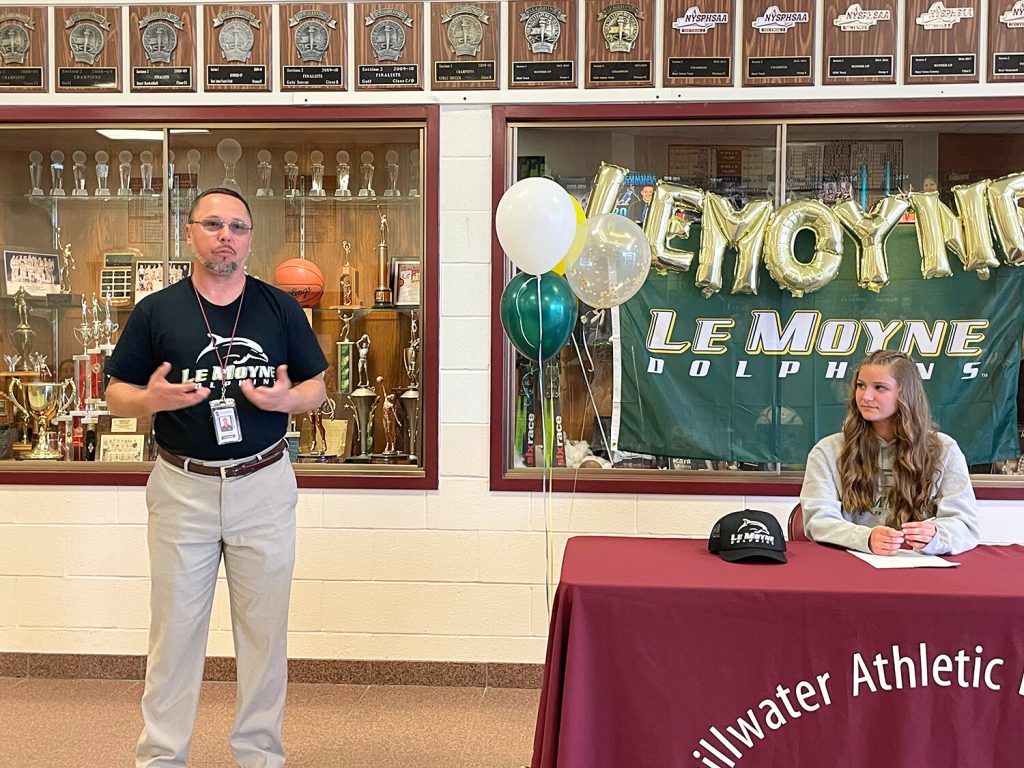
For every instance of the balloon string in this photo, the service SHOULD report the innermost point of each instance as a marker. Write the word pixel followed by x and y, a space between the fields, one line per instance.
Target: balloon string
pixel 590 394
pixel 545 484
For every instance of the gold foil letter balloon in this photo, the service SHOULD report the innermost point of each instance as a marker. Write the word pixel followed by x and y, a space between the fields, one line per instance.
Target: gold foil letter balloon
pixel 871 229
pixel 972 205
pixel 1007 216
pixel 605 192
pixel 724 226
pixel 790 273
pixel 666 201
pixel 938 230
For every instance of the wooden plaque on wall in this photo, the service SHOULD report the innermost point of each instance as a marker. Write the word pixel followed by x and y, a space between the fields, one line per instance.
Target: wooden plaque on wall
pixel 162 48
pixel 23 67
pixel 1005 40
pixel 464 45
pixel 388 46
pixel 859 42
pixel 778 42
pixel 698 42
pixel 619 37
pixel 88 49
pixel 237 49
pixel 313 46
pixel 942 41
pixel 542 44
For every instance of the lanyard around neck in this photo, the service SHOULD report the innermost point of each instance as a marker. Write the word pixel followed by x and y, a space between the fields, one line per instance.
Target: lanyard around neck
pixel 231 340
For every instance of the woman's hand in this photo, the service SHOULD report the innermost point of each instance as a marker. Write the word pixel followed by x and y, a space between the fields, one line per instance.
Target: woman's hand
pixel 919 534
pixel 885 540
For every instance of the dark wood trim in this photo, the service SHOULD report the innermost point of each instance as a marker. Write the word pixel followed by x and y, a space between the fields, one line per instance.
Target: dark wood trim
pixel 499 424
pixel 654 481
pixel 192 114
pixel 427 114
pixel 897 109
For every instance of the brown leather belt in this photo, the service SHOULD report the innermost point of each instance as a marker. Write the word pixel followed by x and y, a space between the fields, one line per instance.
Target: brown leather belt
pixel 271 455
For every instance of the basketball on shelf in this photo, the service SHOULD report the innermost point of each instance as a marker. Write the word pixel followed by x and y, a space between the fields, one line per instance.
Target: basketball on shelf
pixel 302 279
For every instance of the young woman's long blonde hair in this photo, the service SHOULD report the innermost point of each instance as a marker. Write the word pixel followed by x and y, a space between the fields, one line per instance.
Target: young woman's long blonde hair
pixel 916 451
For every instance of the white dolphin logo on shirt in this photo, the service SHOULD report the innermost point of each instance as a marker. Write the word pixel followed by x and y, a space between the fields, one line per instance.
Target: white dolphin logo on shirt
pixel 248 349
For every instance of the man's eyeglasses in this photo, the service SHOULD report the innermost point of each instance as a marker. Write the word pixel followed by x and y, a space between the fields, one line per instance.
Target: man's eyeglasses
pixel 213 226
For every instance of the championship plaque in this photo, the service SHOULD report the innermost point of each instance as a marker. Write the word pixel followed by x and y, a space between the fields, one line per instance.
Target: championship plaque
pixel 778 42
pixel 237 48
pixel 542 44
pixel 1005 40
pixel 88 55
pixel 162 54
pixel 23 49
pixel 312 47
pixel 619 43
pixel 859 42
pixel 464 45
pixel 388 46
pixel 698 42
pixel 942 41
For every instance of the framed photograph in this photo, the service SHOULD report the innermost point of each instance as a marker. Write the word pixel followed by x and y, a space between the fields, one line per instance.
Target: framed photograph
pixel 122 447
pixel 37 273
pixel 149 276
pixel 406 279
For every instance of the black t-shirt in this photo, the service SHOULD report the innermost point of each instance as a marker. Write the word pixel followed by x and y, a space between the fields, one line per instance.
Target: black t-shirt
pixel 168 326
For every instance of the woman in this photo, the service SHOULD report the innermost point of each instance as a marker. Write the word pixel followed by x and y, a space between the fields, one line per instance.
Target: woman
pixel 889 479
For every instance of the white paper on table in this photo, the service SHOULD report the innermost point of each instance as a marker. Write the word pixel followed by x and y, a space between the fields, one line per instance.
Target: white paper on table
pixel 904 558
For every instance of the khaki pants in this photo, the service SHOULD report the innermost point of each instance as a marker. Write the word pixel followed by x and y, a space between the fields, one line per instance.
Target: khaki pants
pixel 193 521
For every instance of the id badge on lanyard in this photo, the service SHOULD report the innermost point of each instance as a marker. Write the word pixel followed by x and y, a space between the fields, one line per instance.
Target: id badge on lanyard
pixel 226 427
pixel 224 414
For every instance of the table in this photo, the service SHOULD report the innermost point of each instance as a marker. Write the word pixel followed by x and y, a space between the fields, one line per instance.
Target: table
pixel 661 654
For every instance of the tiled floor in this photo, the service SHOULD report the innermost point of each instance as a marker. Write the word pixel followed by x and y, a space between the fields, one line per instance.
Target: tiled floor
pixel 94 724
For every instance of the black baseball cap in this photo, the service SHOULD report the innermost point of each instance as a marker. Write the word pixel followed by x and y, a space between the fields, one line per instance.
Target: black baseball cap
pixel 749 534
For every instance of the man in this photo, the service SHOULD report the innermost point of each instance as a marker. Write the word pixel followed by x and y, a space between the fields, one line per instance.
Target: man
pixel 221 359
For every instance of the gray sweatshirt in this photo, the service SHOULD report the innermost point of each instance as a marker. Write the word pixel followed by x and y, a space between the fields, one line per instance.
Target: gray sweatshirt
pixel 825 520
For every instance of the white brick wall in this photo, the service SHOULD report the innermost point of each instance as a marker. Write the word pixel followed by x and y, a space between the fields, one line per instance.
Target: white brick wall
pixel 456 574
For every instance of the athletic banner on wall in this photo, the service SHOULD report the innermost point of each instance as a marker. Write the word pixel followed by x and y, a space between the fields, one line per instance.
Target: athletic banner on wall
pixel 763 377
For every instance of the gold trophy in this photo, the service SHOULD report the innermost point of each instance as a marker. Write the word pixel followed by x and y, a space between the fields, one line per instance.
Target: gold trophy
pixel 23 332
pixel 382 295
pixel 348 280
pixel 410 398
pixel 390 422
pixel 44 400
pixel 363 401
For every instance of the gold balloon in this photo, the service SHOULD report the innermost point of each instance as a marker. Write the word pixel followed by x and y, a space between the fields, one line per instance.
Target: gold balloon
pixel 972 205
pixel 661 223
pixel 870 230
pixel 938 230
pixel 605 193
pixel 1007 216
pixel 724 226
pixel 792 275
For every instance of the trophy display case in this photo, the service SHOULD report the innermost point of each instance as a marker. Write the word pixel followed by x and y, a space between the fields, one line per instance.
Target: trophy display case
pixel 344 219
pixel 696 383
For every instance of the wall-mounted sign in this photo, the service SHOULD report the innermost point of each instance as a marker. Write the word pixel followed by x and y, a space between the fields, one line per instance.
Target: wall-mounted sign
pixel 464 45
pixel 778 42
pixel 88 49
pixel 312 42
pixel 162 48
pixel 238 48
pixel 859 42
pixel 943 39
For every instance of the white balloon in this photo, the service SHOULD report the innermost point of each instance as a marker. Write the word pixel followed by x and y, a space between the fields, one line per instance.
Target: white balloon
pixel 608 261
pixel 535 222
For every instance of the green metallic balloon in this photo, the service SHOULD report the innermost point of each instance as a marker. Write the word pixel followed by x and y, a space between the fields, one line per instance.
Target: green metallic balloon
pixel 535 322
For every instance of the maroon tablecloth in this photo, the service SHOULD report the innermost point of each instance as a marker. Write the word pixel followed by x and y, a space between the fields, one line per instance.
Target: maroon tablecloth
pixel 661 654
